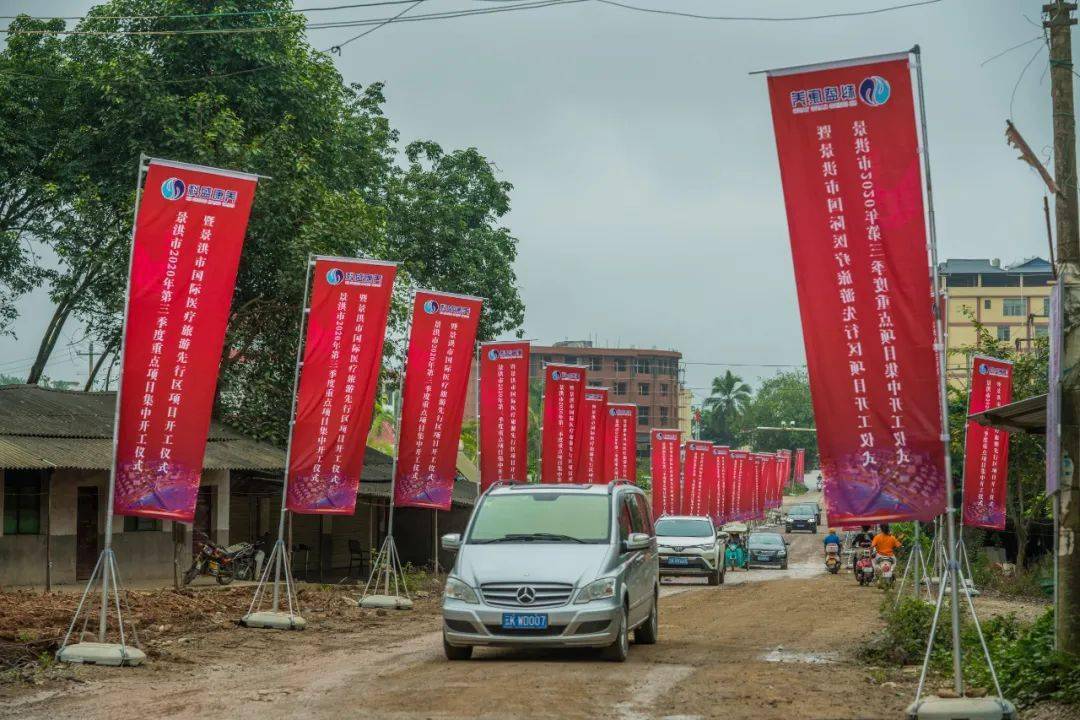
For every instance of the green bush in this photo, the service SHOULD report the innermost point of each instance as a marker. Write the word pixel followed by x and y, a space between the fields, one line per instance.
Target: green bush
pixel 1027 666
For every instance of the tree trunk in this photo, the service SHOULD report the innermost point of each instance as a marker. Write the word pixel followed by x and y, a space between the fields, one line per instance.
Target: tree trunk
pixel 48 340
pixel 97 365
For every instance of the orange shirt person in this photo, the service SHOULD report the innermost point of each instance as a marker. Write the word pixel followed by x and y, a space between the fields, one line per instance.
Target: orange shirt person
pixel 885 543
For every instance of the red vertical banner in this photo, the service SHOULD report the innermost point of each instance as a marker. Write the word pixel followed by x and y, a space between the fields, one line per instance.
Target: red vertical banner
pixel 740 484
pixel 620 442
pixel 695 467
pixel 800 465
pixel 437 367
pixel 666 471
pixel 559 447
pixel 986 450
pixel 343 345
pixel 504 413
pixel 189 231
pixel 592 429
pixel 850 165
pixel 721 460
pixel 759 484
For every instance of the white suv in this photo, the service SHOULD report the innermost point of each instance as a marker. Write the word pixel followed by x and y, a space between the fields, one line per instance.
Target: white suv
pixel 690 545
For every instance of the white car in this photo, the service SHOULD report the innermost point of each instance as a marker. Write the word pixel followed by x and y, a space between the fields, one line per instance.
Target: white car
pixel 690 545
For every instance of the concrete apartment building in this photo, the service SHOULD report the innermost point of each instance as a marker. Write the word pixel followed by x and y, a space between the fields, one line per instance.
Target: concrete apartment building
pixel 646 378
pixel 1012 302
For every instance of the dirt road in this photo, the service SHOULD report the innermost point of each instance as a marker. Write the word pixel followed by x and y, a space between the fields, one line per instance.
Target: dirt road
pixel 747 649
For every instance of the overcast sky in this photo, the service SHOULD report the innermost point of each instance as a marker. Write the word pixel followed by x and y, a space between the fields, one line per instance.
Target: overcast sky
pixel 647 195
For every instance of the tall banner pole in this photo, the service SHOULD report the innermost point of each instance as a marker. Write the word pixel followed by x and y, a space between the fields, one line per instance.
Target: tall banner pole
pixel 279 555
pixel 950 509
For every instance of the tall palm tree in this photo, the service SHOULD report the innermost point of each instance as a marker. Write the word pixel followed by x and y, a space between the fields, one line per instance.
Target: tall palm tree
pixel 729 395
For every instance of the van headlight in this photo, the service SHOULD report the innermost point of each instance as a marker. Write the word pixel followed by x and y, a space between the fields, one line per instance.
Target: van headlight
pixel 458 590
pixel 596 590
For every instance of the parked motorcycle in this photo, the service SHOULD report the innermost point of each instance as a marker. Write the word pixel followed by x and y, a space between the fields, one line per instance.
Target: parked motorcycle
pixel 223 563
pixel 864 567
pixel 832 558
pixel 884 565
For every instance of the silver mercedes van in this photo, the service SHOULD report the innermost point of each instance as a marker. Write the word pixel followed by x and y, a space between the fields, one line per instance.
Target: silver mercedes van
pixel 553 566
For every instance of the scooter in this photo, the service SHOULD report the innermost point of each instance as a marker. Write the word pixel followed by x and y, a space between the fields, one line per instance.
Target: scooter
pixel 832 558
pixel 864 567
pixel 884 565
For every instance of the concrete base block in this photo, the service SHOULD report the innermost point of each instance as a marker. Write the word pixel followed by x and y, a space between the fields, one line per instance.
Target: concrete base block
pixel 276 620
pixel 985 708
pixel 92 653
pixel 390 602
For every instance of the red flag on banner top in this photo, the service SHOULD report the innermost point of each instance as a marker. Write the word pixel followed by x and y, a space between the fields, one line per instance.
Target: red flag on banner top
pixel 559 447
pixel 504 413
pixel 741 484
pixel 346 326
pixel 695 467
pixel 437 367
pixel 189 231
pixel 592 428
pixel 800 465
pixel 986 450
pixel 718 480
pixel 620 443
pixel 666 469
pixel 849 161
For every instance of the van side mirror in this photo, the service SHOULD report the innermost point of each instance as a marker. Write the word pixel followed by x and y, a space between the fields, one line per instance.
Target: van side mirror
pixel 451 541
pixel 637 541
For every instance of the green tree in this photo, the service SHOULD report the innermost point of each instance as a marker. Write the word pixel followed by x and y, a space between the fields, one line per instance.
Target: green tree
pixel 785 397
pixel 727 400
pixel 264 102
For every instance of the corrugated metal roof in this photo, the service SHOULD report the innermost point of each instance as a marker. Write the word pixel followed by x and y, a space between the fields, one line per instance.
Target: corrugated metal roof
pixel 34 410
pixel 33 452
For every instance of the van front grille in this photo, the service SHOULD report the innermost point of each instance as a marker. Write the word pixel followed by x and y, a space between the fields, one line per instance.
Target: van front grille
pixel 515 594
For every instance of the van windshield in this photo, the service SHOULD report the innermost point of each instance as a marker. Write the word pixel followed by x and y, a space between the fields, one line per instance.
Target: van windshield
pixel 542 517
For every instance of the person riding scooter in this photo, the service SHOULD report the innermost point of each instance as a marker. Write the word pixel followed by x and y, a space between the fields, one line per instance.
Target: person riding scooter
pixel 832 551
pixel 885 545
pixel 863 539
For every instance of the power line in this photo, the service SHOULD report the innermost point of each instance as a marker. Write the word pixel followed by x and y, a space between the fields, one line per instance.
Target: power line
pixel 749 365
pixel 749 18
pixel 228 13
pixel 442 15
pixel 337 48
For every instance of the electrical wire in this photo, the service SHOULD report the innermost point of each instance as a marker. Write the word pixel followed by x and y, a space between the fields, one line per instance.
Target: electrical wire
pixel 336 49
pixel 747 18
pixel 228 13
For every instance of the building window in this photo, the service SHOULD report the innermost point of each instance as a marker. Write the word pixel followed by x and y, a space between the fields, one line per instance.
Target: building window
pixel 620 364
pixel 596 364
pixel 986 304
pixel 22 502
pixel 643 415
pixel 663 389
pixel 620 388
pixel 1042 331
pixel 1012 307
pixel 663 416
pixel 642 365
pixel 141 524
pixel 570 359
pixel 643 388
pixel 1003 332
pixel 1046 307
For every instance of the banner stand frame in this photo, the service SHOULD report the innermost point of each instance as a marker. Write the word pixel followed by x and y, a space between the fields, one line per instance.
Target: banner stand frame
pixel 101 652
pixel 953 546
pixel 386 569
pixel 279 556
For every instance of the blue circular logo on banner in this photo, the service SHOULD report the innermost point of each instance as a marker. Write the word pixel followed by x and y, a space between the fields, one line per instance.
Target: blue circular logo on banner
pixel 334 276
pixel 555 375
pixel 173 188
pixel 874 90
pixel 431 307
pixel 983 369
pixel 493 354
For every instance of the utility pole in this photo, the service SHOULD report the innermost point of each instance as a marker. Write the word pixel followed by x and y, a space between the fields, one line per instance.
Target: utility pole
pixel 90 355
pixel 1059 21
